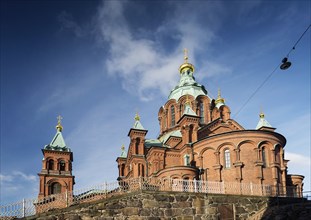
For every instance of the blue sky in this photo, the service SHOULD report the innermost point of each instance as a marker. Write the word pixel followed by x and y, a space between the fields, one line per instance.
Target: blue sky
pixel 98 62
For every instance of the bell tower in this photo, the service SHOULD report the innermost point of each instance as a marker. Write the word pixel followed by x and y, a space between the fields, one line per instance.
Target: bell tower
pixel 56 173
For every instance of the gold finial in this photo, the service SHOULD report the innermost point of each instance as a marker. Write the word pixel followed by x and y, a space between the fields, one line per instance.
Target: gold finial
pixel 261 115
pixel 219 93
pixel 186 66
pixel 59 126
pixel 186 55
pixel 137 118
pixel 219 98
pixel 122 148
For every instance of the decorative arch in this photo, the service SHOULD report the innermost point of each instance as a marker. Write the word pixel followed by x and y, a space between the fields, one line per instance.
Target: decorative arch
pixel 186 177
pixel 55 188
pixel 203 108
pixel 205 149
pixel 246 142
pixel 266 143
pixel 50 164
pixel 62 182
pixel 61 164
pixel 226 144
pixel 225 112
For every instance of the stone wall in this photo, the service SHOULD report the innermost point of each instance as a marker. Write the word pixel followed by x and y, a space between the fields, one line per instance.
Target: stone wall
pixel 164 205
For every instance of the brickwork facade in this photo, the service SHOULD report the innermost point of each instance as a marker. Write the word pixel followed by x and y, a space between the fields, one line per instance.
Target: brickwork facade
pixel 56 173
pixel 199 140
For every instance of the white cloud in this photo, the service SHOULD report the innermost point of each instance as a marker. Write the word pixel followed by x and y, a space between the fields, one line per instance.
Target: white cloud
pixel 5 178
pixel 17 176
pixel 18 184
pixel 144 66
pixel 298 160
pixel 24 176
pixel 300 164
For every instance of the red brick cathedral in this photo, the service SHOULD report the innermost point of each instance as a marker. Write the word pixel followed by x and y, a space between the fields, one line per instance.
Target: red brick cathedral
pixel 198 140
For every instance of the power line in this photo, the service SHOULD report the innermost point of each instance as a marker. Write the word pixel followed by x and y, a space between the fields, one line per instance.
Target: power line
pixel 270 75
pixel 294 47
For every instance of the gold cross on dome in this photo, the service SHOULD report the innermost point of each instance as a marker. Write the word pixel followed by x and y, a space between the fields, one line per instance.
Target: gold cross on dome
pixel 186 55
pixel 59 119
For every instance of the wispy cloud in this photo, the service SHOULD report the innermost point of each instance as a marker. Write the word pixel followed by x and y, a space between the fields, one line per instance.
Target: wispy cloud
pixel 300 164
pixel 17 175
pixel 143 64
pixel 298 160
pixel 19 184
pixel 68 23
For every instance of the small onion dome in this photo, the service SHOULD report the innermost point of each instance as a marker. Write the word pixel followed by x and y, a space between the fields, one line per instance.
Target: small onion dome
pixel 186 66
pixel 261 115
pixel 219 101
pixel 137 117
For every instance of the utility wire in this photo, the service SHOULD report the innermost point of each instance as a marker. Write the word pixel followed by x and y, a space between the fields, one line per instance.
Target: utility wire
pixel 269 76
pixel 294 47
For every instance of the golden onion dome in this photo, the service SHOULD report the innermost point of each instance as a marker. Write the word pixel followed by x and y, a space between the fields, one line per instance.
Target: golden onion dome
pixel 219 98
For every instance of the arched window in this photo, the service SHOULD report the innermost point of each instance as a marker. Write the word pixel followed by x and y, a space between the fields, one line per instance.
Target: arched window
pixel 201 112
pixel 55 188
pixel 277 154
pixel 51 165
pixel 227 158
pixel 172 115
pixel 142 170
pixel 263 157
pixel 62 165
pixel 122 169
pixel 137 145
pixel 186 160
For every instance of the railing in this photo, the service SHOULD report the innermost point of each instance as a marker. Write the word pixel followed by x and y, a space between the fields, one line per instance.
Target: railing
pixel 32 206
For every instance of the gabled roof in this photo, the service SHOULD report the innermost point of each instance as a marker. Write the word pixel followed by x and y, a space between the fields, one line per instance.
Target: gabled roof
pixel 188 111
pixel 218 127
